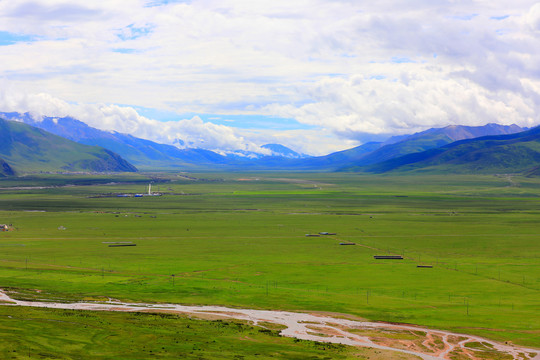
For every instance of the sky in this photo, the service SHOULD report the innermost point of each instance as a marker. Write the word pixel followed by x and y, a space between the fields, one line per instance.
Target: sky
pixel 317 76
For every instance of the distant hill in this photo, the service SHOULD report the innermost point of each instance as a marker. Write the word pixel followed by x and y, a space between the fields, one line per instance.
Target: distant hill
pixel 338 159
pixel 513 153
pixel 250 158
pixel 433 138
pixel 330 162
pixel 28 149
pixel 283 151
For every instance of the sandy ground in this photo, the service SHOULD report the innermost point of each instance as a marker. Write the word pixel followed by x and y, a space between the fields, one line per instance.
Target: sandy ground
pixel 427 344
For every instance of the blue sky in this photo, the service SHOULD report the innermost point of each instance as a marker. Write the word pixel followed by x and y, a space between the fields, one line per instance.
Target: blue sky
pixel 256 122
pixel 7 38
pixel 315 75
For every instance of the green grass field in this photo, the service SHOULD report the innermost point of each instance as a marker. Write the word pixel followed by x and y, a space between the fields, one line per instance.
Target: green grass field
pixel 51 334
pixel 242 243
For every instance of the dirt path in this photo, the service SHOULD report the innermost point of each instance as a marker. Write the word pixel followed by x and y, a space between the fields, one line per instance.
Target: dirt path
pixel 424 343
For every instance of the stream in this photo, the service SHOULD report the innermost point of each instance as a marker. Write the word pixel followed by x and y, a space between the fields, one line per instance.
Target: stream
pixel 435 345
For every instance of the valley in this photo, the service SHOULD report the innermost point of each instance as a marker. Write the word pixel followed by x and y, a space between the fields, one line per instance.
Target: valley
pixel 252 180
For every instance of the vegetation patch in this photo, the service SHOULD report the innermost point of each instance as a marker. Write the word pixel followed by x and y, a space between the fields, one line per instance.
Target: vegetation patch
pixel 271 326
pixel 47 333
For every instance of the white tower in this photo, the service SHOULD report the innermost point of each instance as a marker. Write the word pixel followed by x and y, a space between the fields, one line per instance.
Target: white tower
pixel 149 189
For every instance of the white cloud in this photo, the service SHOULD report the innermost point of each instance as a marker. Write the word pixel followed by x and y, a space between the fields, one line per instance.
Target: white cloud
pixel 420 97
pixel 193 132
pixel 532 18
pixel 350 68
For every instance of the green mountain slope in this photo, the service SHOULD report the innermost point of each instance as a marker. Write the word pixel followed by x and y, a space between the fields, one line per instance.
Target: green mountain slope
pixel 490 154
pixel 434 138
pixel 29 149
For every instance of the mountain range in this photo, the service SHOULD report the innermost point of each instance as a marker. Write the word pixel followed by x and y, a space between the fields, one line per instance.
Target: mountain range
pixel 375 152
pixel 434 138
pixel 145 153
pixel 401 153
pixel 512 153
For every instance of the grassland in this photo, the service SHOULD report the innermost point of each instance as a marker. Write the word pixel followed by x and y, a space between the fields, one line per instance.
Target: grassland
pixel 239 240
pixel 50 334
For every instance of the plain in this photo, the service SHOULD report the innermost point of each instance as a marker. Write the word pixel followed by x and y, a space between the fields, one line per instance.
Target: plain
pixel 240 240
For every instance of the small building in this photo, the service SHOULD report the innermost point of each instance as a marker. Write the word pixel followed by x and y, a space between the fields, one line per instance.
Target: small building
pixel 388 257
pixel 4 227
